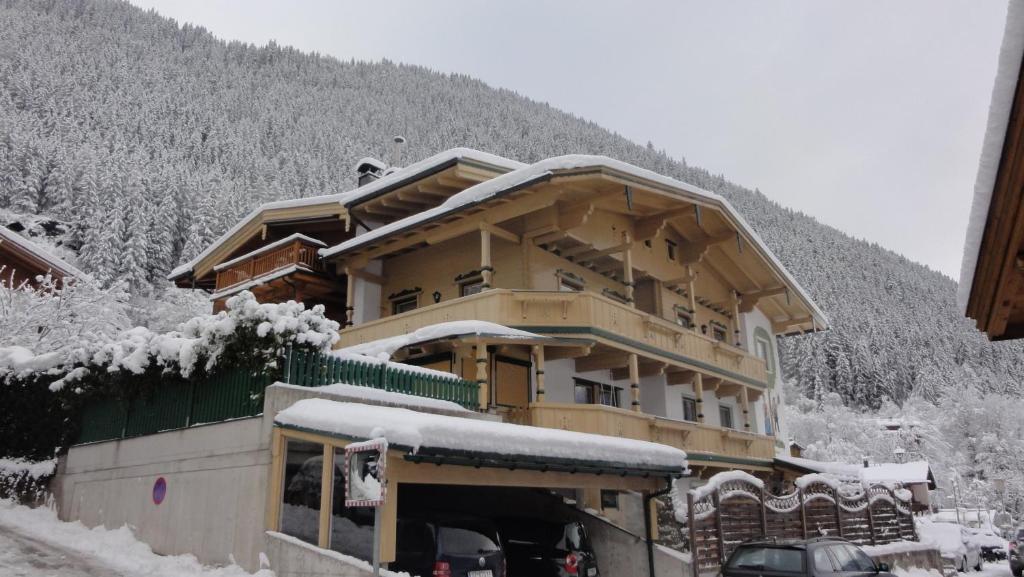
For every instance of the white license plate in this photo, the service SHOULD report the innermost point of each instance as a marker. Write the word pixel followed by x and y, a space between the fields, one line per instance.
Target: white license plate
pixel 591 572
pixel 485 573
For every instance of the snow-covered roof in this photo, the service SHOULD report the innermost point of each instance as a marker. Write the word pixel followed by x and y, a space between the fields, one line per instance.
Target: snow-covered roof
pixel 384 348
pixel 356 393
pixel 54 261
pixel 269 247
pixel 355 196
pixel 369 160
pixel 1003 90
pixel 545 169
pixel 883 473
pixel 422 433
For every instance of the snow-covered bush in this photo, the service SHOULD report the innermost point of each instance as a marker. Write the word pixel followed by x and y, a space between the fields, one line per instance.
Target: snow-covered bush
pixel 25 481
pixel 42 393
pixel 56 315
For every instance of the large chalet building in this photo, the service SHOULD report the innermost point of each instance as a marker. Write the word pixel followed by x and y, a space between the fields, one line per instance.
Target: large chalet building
pixel 609 299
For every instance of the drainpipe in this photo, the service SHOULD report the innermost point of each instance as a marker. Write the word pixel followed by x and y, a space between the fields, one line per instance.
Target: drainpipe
pixel 648 497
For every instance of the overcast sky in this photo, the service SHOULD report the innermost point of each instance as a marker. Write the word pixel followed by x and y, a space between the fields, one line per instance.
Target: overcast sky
pixel 868 115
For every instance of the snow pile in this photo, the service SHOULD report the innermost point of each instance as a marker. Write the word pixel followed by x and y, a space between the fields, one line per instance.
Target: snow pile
pixel 29 469
pixel 117 551
pixel 1005 85
pixel 381 397
pixel 896 547
pixel 347 355
pixel 805 481
pixel 717 481
pixel 413 429
pixel 945 536
pixel 246 327
pixel 384 348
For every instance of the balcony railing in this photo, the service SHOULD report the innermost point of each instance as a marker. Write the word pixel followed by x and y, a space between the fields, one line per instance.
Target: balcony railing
pixel 690 437
pixel 261 262
pixel 575 313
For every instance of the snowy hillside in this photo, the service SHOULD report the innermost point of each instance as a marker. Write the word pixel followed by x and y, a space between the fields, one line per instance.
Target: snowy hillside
pixel 151 138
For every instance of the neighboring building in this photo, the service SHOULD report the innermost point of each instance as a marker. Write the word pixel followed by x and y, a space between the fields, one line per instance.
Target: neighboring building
pixel 992 276
pixel 662 303
pixel 22 260
pixel 915 476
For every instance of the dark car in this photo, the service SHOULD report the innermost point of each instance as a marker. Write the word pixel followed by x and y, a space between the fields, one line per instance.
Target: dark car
pixel 449 547
pixel 818 557
pixel 541 548
pixel 1016 550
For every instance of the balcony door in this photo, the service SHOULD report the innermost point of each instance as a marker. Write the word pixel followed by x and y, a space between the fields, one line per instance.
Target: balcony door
pixel 511 382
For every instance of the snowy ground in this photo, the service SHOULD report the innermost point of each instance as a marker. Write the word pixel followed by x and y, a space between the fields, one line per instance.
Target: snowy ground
pixel 1000 569
pixel 34 543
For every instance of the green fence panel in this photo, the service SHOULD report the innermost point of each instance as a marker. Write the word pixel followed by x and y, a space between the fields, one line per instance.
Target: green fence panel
pixel 229 395
pixel 166 408
pixel 102 419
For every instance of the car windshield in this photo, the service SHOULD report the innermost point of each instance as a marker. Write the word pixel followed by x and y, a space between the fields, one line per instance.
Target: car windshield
pixel 782 559
pixel 467 540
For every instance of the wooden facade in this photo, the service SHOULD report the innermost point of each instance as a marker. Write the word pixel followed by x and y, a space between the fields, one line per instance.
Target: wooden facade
pixel 643 294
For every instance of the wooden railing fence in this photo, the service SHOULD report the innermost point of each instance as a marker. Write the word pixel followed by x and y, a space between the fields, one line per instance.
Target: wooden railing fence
pixel 732 511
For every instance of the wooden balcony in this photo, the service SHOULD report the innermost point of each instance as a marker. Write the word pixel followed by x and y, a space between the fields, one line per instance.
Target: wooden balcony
pixel 300 253
pixel 578 314
pixel 690 437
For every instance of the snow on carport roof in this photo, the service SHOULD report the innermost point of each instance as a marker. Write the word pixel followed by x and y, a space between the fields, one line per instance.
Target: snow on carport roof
pixel 430 433
pixel 1005 85
pixel 545 169
pixel 354 196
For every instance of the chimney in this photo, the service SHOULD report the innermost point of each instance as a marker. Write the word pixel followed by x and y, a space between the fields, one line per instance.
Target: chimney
pixel 395 150
pixel 369 170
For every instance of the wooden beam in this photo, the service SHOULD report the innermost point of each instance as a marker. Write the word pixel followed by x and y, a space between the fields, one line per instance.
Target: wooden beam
pixel 500 233
pixel 644 368
pixel 680 377
pixel 693 252
pixel 749 300
pixel 601 362
pixel 649 227
pixel 594 254
pixel 784 325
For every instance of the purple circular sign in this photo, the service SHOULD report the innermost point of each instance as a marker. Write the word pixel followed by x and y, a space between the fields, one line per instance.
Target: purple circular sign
pixel 159 491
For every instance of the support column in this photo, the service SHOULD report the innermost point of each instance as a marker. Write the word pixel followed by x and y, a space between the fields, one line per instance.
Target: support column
pixel 481 376
pixel 698 391
pixel 326 492
pixel 350 298
pixel 634 381
pixel 627 268
pixel 735 318
pixel 745 399
pixel 691 292
pixel 486 270
pixel 538 366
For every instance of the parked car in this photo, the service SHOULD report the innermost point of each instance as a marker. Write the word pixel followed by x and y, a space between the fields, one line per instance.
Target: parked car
pixel 540 548
pixel 1016 553
pixel 993 547
pixel 955 544
pixel 823 556
pixel 449 547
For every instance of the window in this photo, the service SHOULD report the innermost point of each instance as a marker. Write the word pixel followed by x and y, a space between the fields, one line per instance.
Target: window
pixel 609 499
pixel 768 559
pixel 300 511
pixel 718 332
pixel 404 304
pixel 471 287
pixel 725 416
pixel 569 285
pixel 671 247
pixel 684 318
pixel 689 409
pixel 822 562
pixel 591 393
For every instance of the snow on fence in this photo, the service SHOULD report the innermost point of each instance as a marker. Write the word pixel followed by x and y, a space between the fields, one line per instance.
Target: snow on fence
pixel 235 393
pixel 734 507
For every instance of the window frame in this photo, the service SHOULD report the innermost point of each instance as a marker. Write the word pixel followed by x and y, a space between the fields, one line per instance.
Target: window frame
pixel 398 302
pixel 597 393
pixel 689 401
pixel 724 410
pixel 471 282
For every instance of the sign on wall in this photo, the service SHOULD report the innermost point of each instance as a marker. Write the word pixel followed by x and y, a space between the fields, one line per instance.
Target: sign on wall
pixel 159 491
pixel 366 473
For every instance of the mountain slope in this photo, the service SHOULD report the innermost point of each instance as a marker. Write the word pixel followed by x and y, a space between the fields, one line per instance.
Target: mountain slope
pixel 153 138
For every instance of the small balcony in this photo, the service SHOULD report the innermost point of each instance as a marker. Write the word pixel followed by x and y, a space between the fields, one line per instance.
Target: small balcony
pixel 294 253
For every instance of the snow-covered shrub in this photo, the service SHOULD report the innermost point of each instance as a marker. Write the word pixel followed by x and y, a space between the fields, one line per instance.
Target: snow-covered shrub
pixel 58 316
pixel 25 481
pixel 42 393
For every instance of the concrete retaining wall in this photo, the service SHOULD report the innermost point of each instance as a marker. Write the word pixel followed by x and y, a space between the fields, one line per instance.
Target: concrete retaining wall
pixel 215 499
pixel 290 557
pixel 624 554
